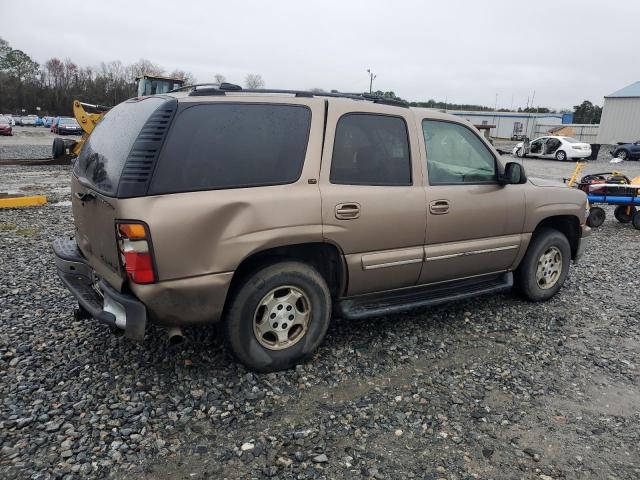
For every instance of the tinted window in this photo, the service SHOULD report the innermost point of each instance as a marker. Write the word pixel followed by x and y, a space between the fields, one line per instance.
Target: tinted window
pixel 371 150
pixel 105 152
pixel 455 154
pixel 228 145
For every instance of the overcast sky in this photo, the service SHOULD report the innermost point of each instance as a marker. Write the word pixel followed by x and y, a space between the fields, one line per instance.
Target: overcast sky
pixel 463 51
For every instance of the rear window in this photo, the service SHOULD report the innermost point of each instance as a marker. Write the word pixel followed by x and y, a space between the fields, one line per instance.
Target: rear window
pixel 104 154
pixel 230 145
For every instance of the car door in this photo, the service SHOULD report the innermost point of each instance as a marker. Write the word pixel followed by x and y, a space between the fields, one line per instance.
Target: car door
pixel 474 224
pixel 536 147
pixel 550 147
pixel 373 200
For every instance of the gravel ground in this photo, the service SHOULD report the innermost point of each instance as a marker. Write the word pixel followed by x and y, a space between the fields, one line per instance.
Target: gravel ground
pixel 489 388
pixel 27 143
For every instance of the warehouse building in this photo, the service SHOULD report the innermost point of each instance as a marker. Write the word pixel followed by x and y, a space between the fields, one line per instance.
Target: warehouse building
pixel 513 124
pixel 620 121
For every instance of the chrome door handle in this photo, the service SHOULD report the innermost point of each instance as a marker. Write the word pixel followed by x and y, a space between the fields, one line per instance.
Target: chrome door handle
pixel 347 211
pixel 439 207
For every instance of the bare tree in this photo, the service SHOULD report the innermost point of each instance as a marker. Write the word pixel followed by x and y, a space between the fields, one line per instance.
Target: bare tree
pixel 254 80
pixel 219 78
pixel 187 77
pixel 145 67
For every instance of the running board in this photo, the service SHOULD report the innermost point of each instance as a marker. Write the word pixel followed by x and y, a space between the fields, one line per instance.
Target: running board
pixel 423 296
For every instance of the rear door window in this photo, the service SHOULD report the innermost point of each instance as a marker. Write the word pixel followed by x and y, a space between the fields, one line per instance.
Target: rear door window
pixel 371 150
pixel 232 145
pixel 104 154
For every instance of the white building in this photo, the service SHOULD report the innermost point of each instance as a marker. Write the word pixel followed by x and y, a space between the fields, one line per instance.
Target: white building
pixel 508 124
pixel 620 121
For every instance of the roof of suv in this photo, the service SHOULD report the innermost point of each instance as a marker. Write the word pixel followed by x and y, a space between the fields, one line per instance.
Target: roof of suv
pixel 217 92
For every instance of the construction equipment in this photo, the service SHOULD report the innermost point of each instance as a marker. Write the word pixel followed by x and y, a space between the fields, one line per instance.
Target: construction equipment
pixel 147 85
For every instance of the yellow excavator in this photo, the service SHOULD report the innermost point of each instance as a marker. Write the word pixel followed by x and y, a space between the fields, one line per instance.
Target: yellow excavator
pixel 147 85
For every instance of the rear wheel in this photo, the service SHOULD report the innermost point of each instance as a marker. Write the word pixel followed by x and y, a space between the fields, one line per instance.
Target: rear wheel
pixel 596 217
pixel 561 155
pixel 278 316
pixel 545 266
pixel 622 154
pixel 624 213
pixel 635 221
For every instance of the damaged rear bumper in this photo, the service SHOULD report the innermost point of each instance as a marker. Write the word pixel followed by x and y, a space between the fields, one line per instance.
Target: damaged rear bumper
pixel 96 296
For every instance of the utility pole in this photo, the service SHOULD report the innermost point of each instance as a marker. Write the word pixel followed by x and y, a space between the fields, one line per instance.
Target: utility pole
pixel 372 77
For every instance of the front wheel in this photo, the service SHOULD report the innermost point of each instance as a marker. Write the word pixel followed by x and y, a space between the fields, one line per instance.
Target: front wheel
pixel 635 221
pixel 596 217
pixel 561 155
pixel 278 317
pixel 545 266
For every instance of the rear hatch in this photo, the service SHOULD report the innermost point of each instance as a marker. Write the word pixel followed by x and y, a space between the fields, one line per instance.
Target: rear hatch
pixel 115 163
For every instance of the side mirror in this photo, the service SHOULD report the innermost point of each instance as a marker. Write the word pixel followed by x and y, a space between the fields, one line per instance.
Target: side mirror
pixel 514 174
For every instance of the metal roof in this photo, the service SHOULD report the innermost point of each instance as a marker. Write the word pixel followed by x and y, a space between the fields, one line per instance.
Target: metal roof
pixel 632 90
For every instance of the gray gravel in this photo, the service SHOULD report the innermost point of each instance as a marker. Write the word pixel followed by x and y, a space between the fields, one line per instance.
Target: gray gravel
pixel 489 388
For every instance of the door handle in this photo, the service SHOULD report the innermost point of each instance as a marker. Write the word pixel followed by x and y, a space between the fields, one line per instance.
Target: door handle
pixel 439 207
pixel 347 211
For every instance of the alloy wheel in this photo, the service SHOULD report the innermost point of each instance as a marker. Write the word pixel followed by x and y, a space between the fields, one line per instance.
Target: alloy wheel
pixel 282 317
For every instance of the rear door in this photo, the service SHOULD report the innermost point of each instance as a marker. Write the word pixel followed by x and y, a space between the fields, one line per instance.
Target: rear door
pixel 123 136
pixel 474 224
pixel 372 194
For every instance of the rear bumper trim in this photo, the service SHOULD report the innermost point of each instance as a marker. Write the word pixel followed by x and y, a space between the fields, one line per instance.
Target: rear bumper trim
pixel 77 275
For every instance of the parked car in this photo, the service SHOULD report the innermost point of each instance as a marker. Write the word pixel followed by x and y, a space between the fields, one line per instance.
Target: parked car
pixel 560 148
pixel 67 125
pixel 627 151
pixel 29 120
pixel 39 122
pixel 5 126
pixel 268 211
pixel 18 120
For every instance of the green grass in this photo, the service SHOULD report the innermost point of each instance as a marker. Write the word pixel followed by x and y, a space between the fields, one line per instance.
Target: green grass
pixel 5 227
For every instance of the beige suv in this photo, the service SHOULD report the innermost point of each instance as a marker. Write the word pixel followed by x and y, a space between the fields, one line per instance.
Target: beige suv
pixel 274 210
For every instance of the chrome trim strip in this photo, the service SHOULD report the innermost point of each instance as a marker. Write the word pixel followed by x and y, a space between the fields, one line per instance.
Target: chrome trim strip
pixel 473 252
pixel 393 264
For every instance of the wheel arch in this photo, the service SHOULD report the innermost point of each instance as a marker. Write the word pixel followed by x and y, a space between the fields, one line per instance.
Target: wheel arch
pixel 326 257
pixel 568 225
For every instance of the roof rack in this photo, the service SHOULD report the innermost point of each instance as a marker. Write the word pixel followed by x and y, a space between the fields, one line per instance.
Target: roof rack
pixel 206 89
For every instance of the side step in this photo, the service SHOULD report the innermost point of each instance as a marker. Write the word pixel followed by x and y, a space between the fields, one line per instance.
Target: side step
pixel 408 298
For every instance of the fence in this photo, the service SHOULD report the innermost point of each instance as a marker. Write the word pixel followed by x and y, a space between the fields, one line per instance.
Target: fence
pixel 583 132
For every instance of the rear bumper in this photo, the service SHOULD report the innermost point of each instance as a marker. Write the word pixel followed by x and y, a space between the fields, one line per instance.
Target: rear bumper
pixel 99 299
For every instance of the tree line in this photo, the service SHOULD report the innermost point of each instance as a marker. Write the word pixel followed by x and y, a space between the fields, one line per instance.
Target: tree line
pixel 52 86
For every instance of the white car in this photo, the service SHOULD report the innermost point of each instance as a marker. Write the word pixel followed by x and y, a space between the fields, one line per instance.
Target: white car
pixel 11 120
pixel 560 148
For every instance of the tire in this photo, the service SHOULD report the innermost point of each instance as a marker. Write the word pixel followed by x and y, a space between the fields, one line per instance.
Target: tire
pixel 596 217
pixel 536 280
pixel 621 213
pixel 274 288
pixel 561 155
pixel 57 150
pixel 622 154
pixel 635 221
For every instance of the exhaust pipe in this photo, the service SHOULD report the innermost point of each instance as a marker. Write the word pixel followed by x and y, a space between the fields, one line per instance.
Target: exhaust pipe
pixel 175 335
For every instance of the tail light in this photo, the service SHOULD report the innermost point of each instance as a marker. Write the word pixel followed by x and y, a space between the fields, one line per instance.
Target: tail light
pixel 136 256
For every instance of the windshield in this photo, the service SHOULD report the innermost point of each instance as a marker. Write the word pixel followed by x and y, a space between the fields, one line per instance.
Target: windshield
pixel 68 121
